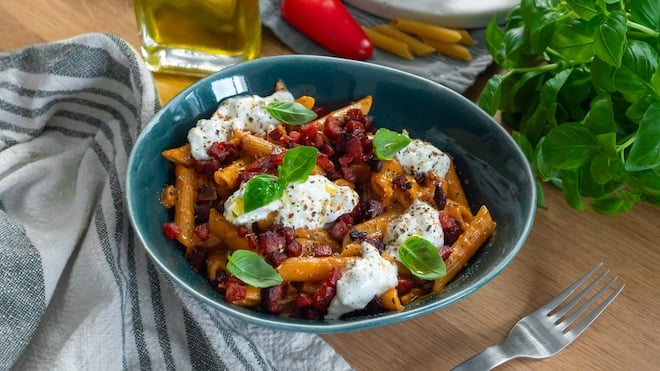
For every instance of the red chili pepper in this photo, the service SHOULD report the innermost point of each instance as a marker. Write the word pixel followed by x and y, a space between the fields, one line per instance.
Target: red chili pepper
pixel 329 23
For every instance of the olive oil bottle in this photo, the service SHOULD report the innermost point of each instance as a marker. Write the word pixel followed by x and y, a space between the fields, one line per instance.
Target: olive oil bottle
pixel 198 37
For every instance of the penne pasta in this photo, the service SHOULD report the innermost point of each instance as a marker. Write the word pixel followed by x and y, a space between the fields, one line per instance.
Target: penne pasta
pixel 451 49
pixel 180 155
pixel 477 233
pixel 389 43
pixel 310 268
pixel 369 199
pixel 417 46
pixel 426 30
pixel 184 207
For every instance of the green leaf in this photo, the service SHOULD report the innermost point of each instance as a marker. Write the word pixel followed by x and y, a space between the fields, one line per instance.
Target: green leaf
pixel 600 118
pixel 638 66
pixel 388 143
pixel 524 144
pixel 261 190
pixel 647 185
pixel 569 146
pixel 574 40
pixel 252 269
pixel 292 113
pixel 489 100
pixel 585 8
pixel 571 189
pixel 645 151
pixel 297 164
pixel 611 205
pixel 610 38
pixel 646 12
pixel 602 75
pixel 422 258
pixel 603 168
pixel 495 41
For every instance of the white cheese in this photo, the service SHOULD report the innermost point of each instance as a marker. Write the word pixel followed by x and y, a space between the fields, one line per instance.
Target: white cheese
pixel 310 205
pixel 244 113
pixel 420 219
pixel 423 157
pixel 370 276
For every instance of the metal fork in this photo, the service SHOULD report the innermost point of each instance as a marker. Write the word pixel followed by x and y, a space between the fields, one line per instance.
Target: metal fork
pixel 545 332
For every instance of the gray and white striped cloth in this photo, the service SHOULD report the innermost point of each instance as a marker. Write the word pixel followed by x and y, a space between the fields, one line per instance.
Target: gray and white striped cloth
pixel 77 291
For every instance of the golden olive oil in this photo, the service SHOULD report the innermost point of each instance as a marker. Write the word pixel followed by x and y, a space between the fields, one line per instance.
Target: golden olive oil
pixel 198 36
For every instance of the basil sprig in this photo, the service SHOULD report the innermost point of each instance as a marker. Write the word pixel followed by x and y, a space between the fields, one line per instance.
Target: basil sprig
pixel 292 113
pixel 262 189
pixel 388 143
pixel 252 269
pixel 422 258
pixel 582 93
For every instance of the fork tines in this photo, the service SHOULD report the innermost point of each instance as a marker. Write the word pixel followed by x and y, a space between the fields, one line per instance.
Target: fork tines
pixel 559 313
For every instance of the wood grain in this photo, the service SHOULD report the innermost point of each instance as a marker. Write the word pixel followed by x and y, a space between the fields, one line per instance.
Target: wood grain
pixel 563 244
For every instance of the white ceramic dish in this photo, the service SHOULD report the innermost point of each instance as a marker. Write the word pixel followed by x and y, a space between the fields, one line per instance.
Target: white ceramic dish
pixel 448 13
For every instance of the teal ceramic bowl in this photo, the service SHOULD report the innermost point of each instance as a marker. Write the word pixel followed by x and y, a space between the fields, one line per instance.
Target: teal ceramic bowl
pixel 494 170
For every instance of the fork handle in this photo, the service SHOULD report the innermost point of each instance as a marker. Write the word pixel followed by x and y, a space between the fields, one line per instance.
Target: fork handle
pixel 485 360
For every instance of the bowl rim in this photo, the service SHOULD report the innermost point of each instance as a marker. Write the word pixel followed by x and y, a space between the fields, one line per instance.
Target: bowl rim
pixel 324 326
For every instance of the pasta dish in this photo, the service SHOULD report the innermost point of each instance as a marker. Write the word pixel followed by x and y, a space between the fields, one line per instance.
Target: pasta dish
pixel 295 210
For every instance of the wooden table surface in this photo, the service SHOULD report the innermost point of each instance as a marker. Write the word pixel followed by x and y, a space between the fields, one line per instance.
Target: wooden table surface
pixel 563 244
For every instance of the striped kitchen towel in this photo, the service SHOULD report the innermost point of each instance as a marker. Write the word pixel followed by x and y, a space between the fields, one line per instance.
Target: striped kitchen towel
pixel 77 290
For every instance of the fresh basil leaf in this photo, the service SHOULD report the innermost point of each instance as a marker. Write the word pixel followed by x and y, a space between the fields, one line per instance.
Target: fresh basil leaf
pixel 292 113
pixel 569 146
pixel 646 12
pixel 570 188
pixel 297 164
pixel 645 151
pixel 574 40
pixel 261 190
pixel 252 269
pixel 495 41
pixel 600 119
pixel 585 8
pixel 602 75
pixel 422 258
pixel 610 38
pixel 388 143
pixel 611 205
pixel 489 100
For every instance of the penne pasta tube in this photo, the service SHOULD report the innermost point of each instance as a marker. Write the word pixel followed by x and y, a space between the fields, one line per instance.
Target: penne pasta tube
pixel 391 301
pixel 310 268
pixel 476 234
pixel 226 232
pixel 227 178
pixel 453 50
pixel 363 105
pixel 454 188
pixel 466 38
pixel 255 146
pixel 418 47
pixel 389 44
pixel 184 208
pixel 426 30
pixel 179 155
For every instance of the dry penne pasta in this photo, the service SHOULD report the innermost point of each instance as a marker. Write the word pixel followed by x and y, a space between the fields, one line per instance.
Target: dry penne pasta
pixel 466 38
pixel 292 217
pixel 418 47
pixel 426 30
pixel 389 43
pixel 451 49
